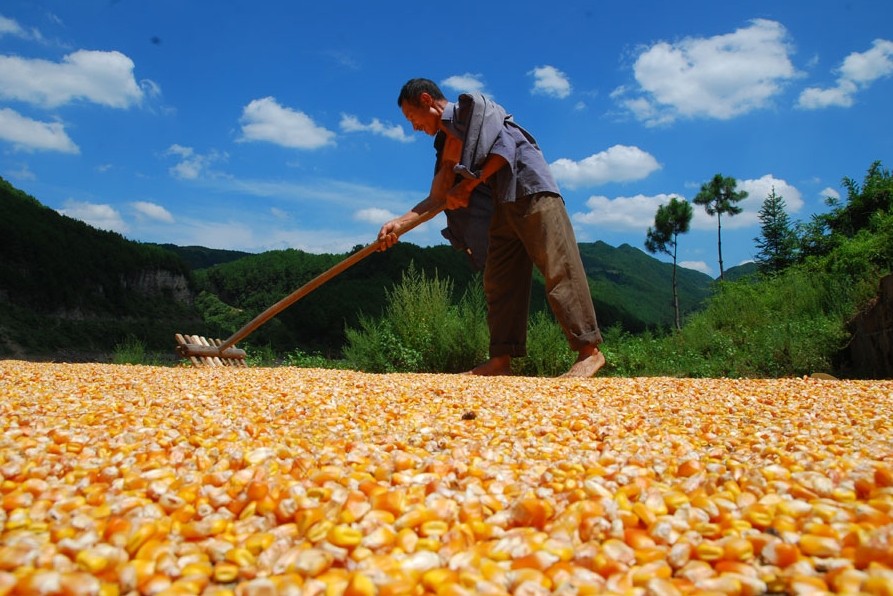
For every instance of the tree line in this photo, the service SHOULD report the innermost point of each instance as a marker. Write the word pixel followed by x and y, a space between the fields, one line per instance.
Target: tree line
pixel 781 242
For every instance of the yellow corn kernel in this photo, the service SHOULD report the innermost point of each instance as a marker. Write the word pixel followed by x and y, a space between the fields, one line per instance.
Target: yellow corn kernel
pixel 319 531
pixel 429 543
pixel 434 528
pixel 225 573
pixel 139 537
pixel 819 546
pixel 92 561
pixel 737 549
pixel 360 584
pixel 709 551
pixel 240 556
pixel 256 543
pixel 345 536
pixel 201 568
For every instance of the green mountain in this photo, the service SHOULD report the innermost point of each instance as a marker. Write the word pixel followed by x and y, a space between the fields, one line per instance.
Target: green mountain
pixel 200 257
pixel 633 289
pixel 67 287
pixel 739 271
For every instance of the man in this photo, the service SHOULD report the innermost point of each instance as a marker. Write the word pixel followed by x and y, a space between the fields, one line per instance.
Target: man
pixel 529 224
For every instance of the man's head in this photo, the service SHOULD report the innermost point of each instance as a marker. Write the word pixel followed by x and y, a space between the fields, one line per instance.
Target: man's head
pixel 422 102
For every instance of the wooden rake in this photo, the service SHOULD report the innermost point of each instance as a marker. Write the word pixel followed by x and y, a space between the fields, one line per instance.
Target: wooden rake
pixel 215 352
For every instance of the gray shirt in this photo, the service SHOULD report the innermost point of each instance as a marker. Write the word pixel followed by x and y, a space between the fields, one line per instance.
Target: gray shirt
pixel 486 128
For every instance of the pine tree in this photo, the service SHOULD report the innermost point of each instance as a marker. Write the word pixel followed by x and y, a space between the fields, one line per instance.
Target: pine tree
pixel 670 221
pixel 777 242
pixel 717 197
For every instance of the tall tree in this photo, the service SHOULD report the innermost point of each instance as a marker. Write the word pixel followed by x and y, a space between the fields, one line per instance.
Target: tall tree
pixel 670 221
pixel 777 242
pixel 873 196
pixel 717 197
pixel 847 218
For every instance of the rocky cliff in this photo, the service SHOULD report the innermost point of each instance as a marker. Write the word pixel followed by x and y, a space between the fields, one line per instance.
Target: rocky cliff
pixel 869 354
pixel 161 283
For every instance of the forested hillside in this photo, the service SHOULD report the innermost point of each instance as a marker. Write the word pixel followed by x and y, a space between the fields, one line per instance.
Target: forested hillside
pixel 635 290
pixel 66 286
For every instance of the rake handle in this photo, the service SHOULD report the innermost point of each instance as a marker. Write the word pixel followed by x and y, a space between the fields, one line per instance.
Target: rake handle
pixel 319 280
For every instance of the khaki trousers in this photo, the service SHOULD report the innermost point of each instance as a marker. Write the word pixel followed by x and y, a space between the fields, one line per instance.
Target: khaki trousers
pixel 535 230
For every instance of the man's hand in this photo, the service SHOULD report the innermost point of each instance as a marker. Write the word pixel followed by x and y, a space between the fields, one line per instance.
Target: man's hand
pixel 387 236
pixel 458 196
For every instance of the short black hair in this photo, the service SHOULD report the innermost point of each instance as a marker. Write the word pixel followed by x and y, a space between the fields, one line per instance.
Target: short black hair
pixel 415 87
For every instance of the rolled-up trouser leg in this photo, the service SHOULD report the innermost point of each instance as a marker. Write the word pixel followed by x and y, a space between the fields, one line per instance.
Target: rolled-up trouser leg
pixel 550 241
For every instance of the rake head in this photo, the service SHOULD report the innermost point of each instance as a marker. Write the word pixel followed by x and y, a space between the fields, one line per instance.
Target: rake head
pixel 207 352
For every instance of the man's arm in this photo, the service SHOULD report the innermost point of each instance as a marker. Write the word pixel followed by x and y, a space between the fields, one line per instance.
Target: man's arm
pixel 459 195
pixel 436 199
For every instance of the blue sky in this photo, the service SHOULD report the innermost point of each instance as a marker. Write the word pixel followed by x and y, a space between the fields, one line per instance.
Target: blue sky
pixel 273 124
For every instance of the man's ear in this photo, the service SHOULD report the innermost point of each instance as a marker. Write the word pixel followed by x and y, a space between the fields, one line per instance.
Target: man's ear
pixel 425 99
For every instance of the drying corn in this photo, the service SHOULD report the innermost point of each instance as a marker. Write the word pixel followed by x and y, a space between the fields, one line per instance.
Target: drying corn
pixel 122 480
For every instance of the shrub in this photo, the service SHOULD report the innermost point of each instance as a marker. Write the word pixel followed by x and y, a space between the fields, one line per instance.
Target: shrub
pixel 131 350
pixel 421 329
pixel 548 353
pixel 300 359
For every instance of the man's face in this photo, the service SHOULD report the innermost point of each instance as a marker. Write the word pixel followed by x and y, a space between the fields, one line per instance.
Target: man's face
pixel 423 117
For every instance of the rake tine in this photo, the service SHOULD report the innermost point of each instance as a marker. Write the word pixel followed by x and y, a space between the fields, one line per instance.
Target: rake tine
pixel 202 351
pixel 210 360
pixel 183 341
pixel 238 362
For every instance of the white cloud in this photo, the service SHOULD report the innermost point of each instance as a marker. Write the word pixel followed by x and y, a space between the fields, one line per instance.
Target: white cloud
pixel 152 211
pixel 717 77
pixel 464 83
pixel 150 88
pixel 858 71
pixel 254 236
pixel 814 98
pixel 757 191
pixel 102 216
pixel 620 163
pixel 634 213
pixel 697 266
pixel 265 120
pixel 830 193
pixel 32 135
pixel 22 172
pixel 10 27
pixel 279 213
pixel 227 235
pixel 374 215
pixel 192 165
pixel 548 80
pixel 104 78
pixel 351 123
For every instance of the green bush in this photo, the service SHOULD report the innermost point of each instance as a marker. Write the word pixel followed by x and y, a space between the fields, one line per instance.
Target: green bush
pixel 132 350
pixel 548 353
pixel 422 330
pixel 300 359
pixel 262 355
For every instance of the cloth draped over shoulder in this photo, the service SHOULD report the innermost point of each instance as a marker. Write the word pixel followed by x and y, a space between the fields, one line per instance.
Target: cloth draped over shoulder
pixel 483 121
pixel 467 228
pixel 486 128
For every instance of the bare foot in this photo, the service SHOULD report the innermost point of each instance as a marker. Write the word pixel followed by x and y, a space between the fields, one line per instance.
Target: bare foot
pixel 496 366
pixel 590 361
